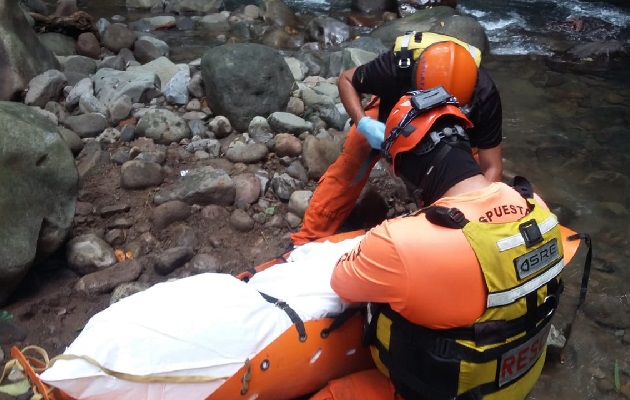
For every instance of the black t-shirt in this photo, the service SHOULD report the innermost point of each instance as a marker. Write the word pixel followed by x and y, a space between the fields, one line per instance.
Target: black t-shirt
pixel 384 79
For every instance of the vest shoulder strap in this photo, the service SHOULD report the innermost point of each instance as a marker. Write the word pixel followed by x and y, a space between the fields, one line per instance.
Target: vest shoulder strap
pixel 410 46
pixel 522 186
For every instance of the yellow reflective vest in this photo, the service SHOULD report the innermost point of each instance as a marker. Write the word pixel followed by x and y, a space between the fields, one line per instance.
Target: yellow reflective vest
pixel 501 355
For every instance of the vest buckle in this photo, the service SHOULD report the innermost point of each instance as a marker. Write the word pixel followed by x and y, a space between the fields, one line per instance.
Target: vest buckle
pixel 442 348
pixel 404 63
pixel 530 232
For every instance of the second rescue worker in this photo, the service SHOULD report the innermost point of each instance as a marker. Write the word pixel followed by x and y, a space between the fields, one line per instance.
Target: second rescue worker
pixel 418 61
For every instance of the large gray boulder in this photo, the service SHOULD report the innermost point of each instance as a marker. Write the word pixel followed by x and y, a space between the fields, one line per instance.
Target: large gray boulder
pixel 420 21
pixel 440 19
pixel 39 190
pixel 22 55
pixel 245 80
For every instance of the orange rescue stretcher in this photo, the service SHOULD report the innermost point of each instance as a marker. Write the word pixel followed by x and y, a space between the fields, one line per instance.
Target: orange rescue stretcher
pixel 289 367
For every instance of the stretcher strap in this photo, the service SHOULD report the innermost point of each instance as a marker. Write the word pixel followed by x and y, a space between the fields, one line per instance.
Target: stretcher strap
pixel 151 378
pixel 340 320
pixel 587 264
pixel 585 278
pixel 293 316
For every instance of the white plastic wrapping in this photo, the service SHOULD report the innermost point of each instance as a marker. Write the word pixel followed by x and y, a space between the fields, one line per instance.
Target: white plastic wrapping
pixel 204 325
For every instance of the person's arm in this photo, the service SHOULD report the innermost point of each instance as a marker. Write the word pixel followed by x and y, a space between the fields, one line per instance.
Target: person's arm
pixel 350 97
pixel 491 163
pixel 376 77
pixel 487 133
pixel 372 272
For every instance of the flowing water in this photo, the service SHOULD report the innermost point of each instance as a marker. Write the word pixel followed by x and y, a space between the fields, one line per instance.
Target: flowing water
pixel 566 129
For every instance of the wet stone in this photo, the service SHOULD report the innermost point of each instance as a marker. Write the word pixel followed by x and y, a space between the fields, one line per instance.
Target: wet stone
pixel 106 280
pixel 108 211
pixel 241 221
pixel 120 223
pixel 84 208
pixel 115 237
pixel 172 259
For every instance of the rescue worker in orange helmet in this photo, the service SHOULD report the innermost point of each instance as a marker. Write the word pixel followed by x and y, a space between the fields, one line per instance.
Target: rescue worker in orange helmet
pixel 460 293
pixel 418 61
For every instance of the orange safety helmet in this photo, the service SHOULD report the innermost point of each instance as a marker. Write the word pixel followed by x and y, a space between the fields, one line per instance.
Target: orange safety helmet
pixel 449 65
pixel 406 125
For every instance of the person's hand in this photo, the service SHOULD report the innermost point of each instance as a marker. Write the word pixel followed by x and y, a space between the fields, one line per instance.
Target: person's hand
pixel 373 130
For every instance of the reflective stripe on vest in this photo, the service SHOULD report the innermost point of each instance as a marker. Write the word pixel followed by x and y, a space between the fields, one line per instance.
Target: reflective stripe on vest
pixel 502 353
pixel 408 42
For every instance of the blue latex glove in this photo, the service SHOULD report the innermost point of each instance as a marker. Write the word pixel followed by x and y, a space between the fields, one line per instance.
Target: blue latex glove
pixel 373 130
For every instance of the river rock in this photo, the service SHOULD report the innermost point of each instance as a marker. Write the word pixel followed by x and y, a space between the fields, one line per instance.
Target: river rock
pixel 168 213
pixel 248 187
pixel 196 6
pixel 117 37
pixel 247 153
pixel 298 202
pixel 203 186
pixel 38 199
pixel 420 21
pixel 88 45
pixel 286 122
pixel 44 88
pixel 87 125
pixel 81 64
pixel 160 45
pixel 242 90
pixel 144 51
pixel 140 86
pixel 140 174
pixel 88 103
pixel 89 253
pixel 163 126
pixel 204 263
pixel 106 280
pixel 284 185
pixel 164 68
pixel 172 259
pixel 463 27
pixel 241 221
pixel 318 154
pixel 22 54
pixel 328 31
pixel 176 90
pixel 287 145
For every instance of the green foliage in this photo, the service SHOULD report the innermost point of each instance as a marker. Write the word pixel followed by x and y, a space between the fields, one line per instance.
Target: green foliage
pixel 616 377
pixel 5 316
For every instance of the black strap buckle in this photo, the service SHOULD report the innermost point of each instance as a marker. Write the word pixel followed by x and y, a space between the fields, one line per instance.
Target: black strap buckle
pixel 446 217
pixel 530 232
pixel 404 63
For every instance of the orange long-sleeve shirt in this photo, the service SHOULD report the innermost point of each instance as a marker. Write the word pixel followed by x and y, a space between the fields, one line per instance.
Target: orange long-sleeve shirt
pixel 427 273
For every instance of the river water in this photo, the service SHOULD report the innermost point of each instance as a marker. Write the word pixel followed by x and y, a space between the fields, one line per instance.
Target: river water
pixel 566 129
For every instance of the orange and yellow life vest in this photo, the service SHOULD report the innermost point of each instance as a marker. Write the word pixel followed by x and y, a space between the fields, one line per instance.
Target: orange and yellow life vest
pixel 500 355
